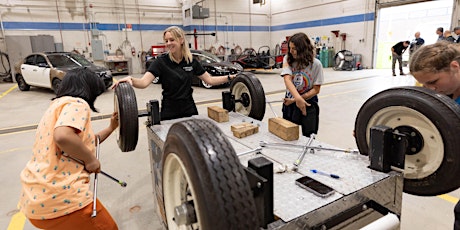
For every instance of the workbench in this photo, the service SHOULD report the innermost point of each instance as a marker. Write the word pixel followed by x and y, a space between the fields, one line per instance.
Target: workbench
pixel 357 189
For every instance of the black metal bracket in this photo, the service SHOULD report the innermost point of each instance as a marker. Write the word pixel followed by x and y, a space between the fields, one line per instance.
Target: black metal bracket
pixel 260 176
pixel 228 101
pixel 152 113
pixel 386 148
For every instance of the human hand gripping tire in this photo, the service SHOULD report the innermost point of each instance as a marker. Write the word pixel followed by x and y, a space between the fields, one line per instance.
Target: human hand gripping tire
pixel 128 79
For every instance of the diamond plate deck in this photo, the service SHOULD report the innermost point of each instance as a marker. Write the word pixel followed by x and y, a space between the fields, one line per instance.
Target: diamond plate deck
pixel 291 202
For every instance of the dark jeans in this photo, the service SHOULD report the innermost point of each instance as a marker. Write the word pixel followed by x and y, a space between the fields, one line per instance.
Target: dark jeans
pixel 309 123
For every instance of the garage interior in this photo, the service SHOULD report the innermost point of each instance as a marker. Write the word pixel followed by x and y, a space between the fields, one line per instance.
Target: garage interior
pixel 122 35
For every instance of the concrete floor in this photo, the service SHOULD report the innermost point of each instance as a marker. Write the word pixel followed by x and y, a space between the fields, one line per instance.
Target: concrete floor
pixel 133 207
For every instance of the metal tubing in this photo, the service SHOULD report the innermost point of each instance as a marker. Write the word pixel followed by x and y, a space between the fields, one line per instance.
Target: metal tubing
pixel 306 148
pixel 258 149
pixel 270 104
pixel 95 179
pixel 266 144
pixel 122 183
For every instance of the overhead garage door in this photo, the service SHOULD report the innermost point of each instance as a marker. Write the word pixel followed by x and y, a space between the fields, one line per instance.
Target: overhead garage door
pixel 389 3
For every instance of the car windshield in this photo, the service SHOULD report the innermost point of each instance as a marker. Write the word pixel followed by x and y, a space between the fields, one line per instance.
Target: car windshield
pixel 68 60
pixel 207 57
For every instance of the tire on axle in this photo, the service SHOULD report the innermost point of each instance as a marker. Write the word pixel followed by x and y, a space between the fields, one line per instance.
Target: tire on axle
pixel 203 175
pixel 249 95
pixel 431 122
pixel 128 123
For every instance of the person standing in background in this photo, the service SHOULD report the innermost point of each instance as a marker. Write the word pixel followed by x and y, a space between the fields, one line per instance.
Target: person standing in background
pixel 440 33
pixel 303 76
pixel 448 36
pixel 457 33
pixel 397 52
pixel 415 44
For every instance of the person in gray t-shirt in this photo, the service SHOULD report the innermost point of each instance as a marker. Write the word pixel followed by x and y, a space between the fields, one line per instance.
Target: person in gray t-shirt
pixel 303 76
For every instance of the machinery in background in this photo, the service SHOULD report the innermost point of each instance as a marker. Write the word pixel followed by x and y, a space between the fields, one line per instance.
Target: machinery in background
pixel 346 60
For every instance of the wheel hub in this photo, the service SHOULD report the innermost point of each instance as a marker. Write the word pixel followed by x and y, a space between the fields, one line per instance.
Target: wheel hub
pixel 414 139
pixel 184 214
pixel 245 99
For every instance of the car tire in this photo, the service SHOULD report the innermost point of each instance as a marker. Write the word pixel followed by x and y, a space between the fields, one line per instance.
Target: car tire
pixel 238 66
pixel 205 85
pixel 249 95
pixel 156 80
pixel 22 84
pixel 431 122
pixel 56 83
pixel 201 171
pixel 128 123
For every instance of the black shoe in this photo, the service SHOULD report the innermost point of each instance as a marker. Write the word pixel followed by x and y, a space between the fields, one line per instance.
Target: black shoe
pixel 402 74
pixel 394 74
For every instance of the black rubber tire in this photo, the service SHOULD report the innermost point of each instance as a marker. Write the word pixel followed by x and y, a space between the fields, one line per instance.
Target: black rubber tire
pixel 436 117
pixel 22 84
pixel 56 83
pixel 128 127
pixel 248 84
pixel 212 175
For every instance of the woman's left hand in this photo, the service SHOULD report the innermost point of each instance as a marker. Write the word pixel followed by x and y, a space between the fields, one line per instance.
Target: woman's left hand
pixel 114 121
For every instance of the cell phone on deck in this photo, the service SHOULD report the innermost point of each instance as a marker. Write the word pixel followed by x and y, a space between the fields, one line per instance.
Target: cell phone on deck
pixel 314 186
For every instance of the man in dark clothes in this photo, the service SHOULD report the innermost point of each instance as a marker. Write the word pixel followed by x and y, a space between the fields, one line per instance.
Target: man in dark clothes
pixel 416 43
pixel 397 51
pixel 457 32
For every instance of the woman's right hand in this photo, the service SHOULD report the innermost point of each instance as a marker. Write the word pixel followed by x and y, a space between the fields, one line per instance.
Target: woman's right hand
pixel 128 79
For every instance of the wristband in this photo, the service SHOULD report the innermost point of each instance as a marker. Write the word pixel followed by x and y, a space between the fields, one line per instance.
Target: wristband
pixel 229 78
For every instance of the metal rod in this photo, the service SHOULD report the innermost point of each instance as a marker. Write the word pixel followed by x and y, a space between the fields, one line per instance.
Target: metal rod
pixel 266 144
pixel 270 104
pixel 258 149
pixel 302 155
pixel 95 179
pixel 122 183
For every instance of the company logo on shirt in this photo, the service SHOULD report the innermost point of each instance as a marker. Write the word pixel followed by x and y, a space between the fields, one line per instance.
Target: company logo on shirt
pixel 187 68
pixel 302 81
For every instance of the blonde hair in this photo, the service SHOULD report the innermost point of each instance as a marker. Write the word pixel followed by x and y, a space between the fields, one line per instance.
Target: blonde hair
pixel 434 58
pixel 177 33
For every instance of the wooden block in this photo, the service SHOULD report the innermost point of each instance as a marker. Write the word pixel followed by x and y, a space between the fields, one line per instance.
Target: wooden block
pixel 218 114
pixel 283 128
pixel 239 126
pixel 244 129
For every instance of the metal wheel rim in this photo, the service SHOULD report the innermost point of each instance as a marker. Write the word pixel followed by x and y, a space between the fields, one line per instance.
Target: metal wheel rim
pixel 429 159
pixel 176 185
pixel 238 66
pixel 206 85
pixel 238 90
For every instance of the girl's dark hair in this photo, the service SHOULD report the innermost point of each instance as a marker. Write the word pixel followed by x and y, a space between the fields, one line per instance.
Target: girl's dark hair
pixel 83 83
pixel 305 50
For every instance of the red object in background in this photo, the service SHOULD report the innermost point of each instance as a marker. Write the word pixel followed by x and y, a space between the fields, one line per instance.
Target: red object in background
pixel 159 49
pixel 195 36
pixel 284 46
